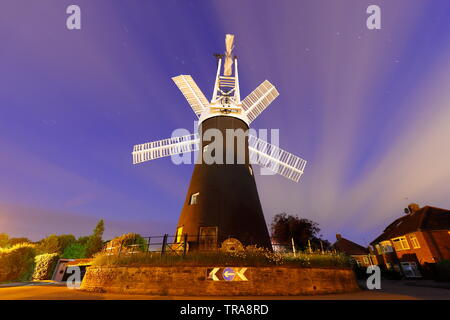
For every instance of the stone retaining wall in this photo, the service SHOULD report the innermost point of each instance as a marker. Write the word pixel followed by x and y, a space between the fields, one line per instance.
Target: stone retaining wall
pixel 193 281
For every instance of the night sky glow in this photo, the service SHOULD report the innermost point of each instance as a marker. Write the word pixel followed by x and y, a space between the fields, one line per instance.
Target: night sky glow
pixel 368 109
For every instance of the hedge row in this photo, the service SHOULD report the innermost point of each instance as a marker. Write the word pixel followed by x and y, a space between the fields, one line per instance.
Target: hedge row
pixel 20 263
pixel 17 262
pixel 45 264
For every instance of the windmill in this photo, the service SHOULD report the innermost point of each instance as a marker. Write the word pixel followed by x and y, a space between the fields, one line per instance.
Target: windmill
pixel 222 201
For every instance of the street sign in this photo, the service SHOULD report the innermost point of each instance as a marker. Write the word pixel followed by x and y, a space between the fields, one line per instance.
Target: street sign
pixel 226 274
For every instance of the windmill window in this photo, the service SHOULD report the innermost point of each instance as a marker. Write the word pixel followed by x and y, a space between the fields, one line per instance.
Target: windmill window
pixel 194 198
pixel 179 234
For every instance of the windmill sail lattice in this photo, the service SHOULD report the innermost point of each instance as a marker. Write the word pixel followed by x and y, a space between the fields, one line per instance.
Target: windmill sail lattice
pixel 192 93
pixel 257 101
pixel 165 148
pixel 279 161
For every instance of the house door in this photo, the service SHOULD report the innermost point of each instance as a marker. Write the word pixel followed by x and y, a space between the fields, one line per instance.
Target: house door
pixel 208 238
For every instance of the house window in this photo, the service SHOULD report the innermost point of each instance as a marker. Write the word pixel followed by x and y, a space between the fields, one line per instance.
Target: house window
pixel 414 241
pixel 400 243
pixel 194 198
pixel 179 234
pixel 386 247
pixel 378 249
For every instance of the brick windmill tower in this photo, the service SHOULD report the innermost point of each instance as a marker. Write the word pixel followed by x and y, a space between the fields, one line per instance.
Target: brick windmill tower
pixel 222 201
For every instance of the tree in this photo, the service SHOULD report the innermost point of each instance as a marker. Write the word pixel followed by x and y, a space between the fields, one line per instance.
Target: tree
pixel 285 227
pixel 83 240
pixel 75 250
pixel 49 244
pixel 14 241
pixel 65 240
pixel 4 240
pixel 95 242
pixel 55 244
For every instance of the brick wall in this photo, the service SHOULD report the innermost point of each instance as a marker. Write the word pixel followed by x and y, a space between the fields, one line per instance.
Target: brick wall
pixel 192 281
pixel 434 246
pixel 440 239
pixel 419 255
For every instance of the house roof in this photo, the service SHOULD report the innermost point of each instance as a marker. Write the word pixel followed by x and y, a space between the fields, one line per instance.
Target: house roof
pixel 349 247
pixel 426 218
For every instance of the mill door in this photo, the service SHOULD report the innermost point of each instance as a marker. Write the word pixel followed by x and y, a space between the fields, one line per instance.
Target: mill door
pixel 208 238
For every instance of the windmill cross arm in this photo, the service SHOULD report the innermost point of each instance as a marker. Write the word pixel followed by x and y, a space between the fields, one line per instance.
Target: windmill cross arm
pixel 275 159
pixel 192 93
pixel 165 148
pixel 260 98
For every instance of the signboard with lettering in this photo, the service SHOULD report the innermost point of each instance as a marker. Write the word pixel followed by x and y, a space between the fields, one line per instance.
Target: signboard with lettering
pixel 226 274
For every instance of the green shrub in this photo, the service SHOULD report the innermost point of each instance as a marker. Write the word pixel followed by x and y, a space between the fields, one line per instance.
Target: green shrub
pixel 75 251
pixel 17 262
pixel 45 265
pixel 55 243
pixel 14 241
pixel 443 270
pixel 251 256
pixel 49 244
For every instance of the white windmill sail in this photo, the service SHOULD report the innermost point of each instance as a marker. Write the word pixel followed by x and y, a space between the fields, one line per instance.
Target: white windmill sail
pixel 229 39
pixel 165 148
pixel 192 93
pixel 273 158
pixel 259 99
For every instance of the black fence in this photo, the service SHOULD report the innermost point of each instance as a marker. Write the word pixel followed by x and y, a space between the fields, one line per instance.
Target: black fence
pixel 181 244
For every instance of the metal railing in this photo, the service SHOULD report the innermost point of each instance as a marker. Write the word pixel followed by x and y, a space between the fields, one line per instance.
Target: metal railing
pixel 163 244
pixel 181 244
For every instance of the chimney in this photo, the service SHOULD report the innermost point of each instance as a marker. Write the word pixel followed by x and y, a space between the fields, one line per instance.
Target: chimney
pixel 412 207
pixel 338 236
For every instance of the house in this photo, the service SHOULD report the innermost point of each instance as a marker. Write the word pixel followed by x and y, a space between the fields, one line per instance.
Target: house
pixel 413 243
pixel 362 256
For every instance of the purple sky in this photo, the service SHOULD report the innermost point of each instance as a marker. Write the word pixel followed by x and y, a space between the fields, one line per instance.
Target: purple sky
pixel 369 110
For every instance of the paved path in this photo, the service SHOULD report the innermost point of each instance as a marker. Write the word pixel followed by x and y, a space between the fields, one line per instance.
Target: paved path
pixel 391 290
